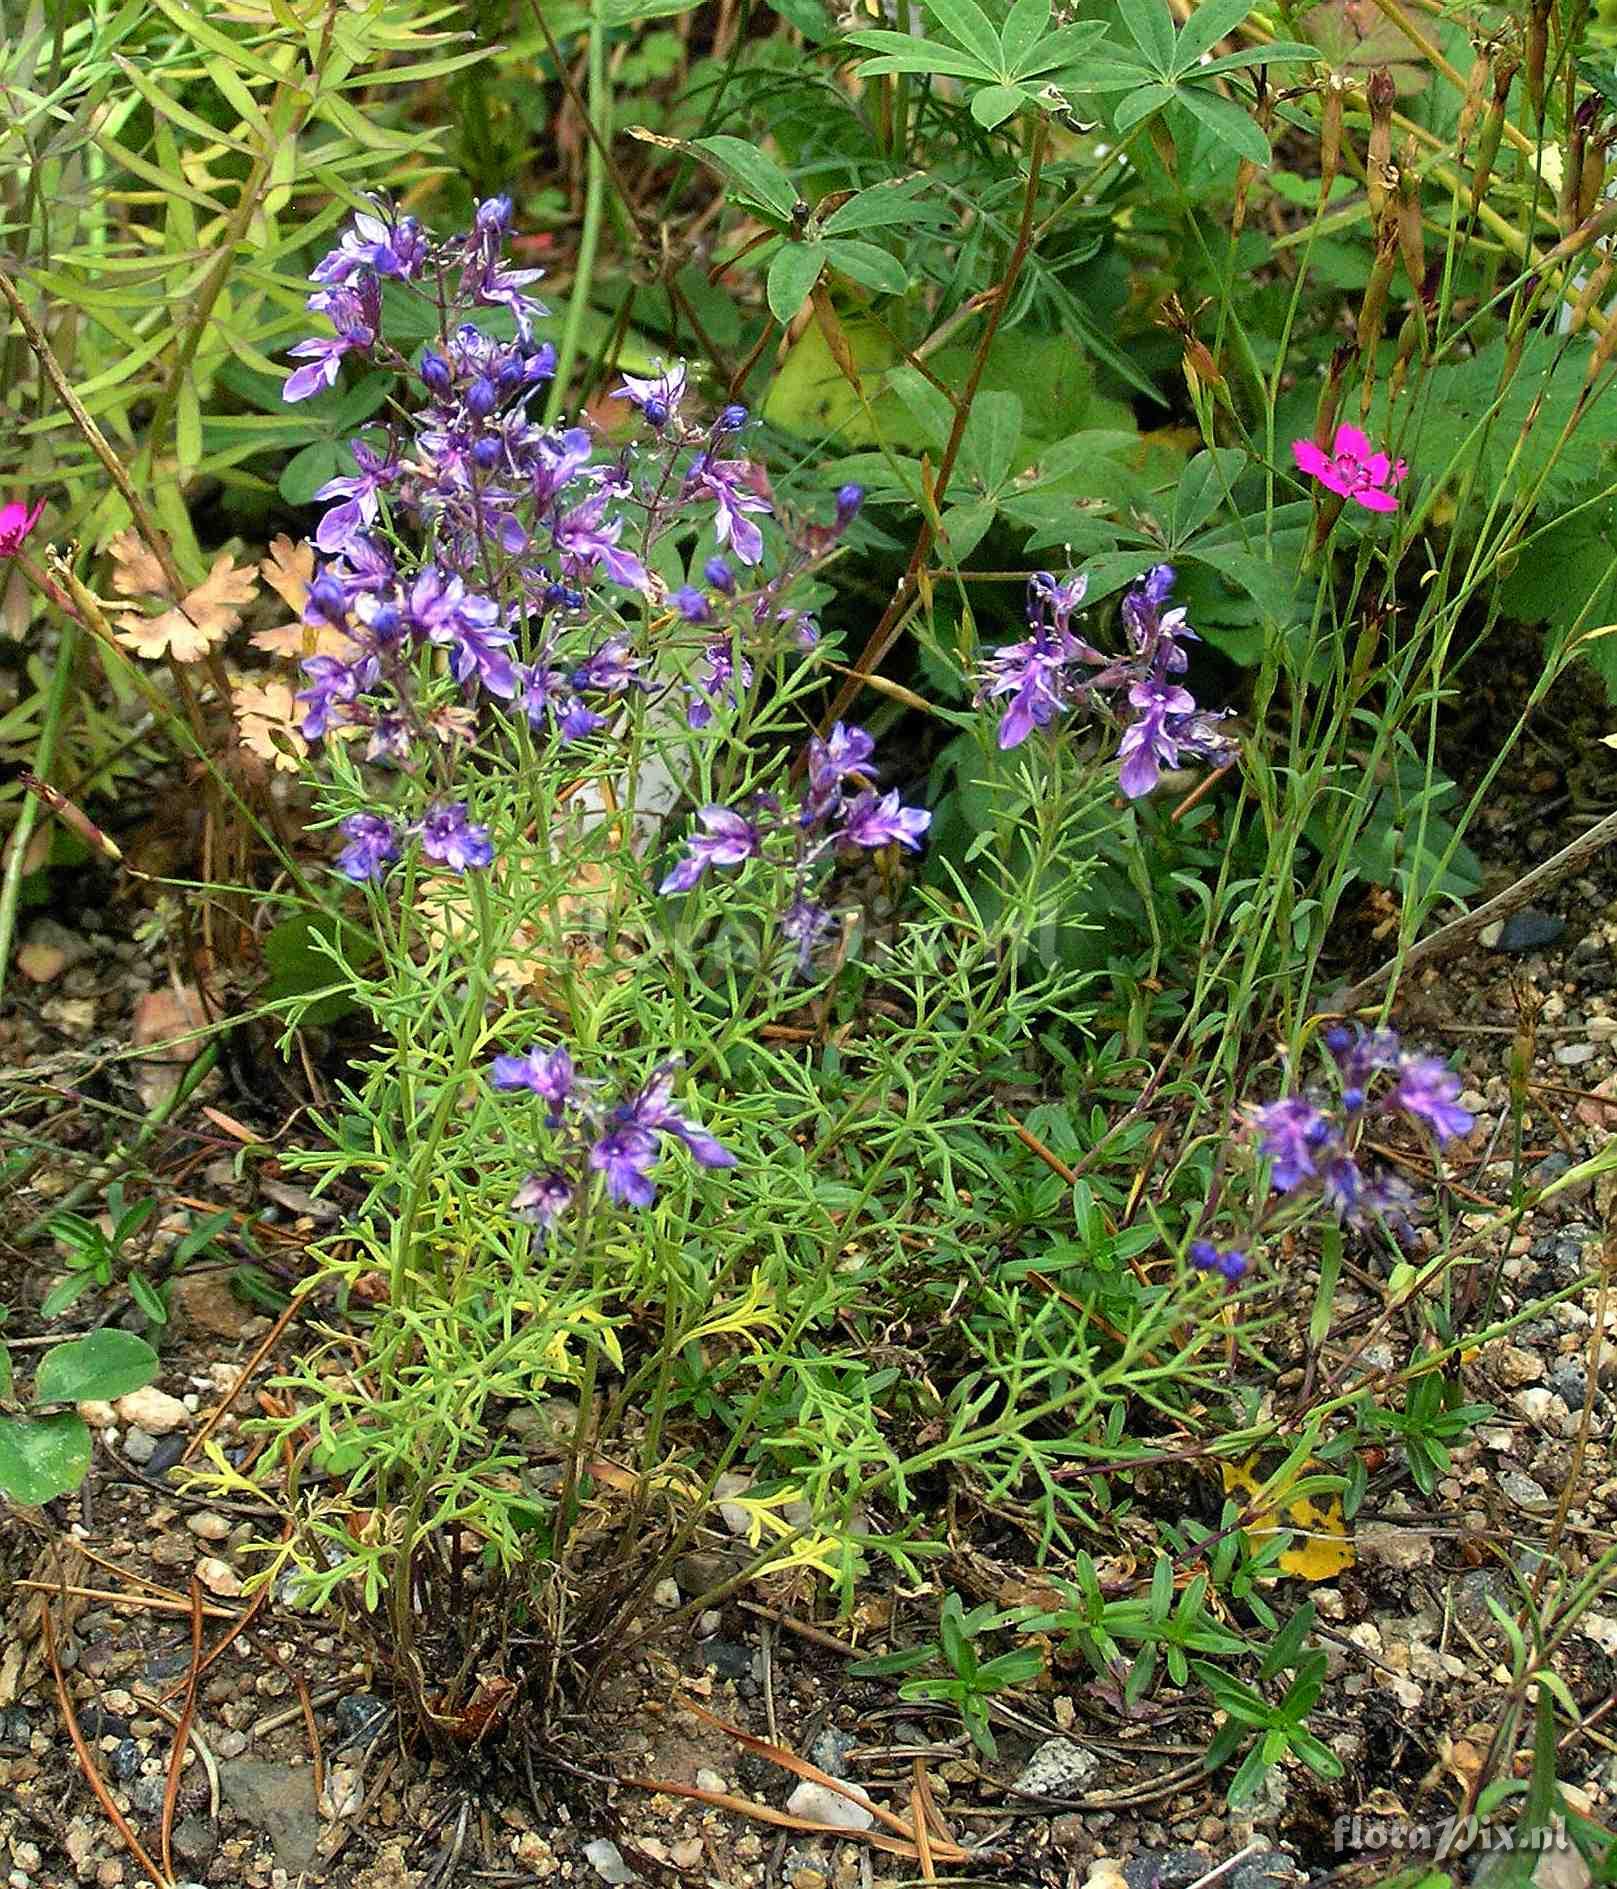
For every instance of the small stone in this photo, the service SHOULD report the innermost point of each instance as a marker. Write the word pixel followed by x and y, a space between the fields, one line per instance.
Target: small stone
pixel 830 1751
pixel 173 1549
pixel 209 1526
pixel 710 1781
pixel 219 1577
pixel 1403 1549
pixel 1059 1768
pixel 16 1732
pixel 1570 1381
pixel 360 1718
pixel 606 1859
pixel 205 1302
pixel 550 1420
pixel 153 1410
pixel 125 1761
pixel 278 1799
pixel 1106 1873
pixel 1527 930
pixel 709 1623
pixel 1518 1487
pixel 818 1803
pixel 732 1514
pixel 138 1446
pixel 229 1744
pixel 99 1415
pixel 1569 1055
pixel 146 1795
pixel 666 1595
pixel 1269 1869
pixel 728 1658
pixel 1513 1366
pixel 48 950
pixel 1166 1869
pixel 195 1841
pixel 687 1853
pixel 699 1573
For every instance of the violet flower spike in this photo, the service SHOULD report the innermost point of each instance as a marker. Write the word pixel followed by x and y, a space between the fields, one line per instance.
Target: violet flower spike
pixel 1428 1090
pixel 624 1157
pixel 878 820
pixel 730 840
pixel 372 846
pixel 1292 1132
pixel 546 1073
pixel 543 1199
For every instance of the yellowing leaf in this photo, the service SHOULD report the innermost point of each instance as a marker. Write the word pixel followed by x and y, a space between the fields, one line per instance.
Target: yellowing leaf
pixel 1321 1547
pixel 209 613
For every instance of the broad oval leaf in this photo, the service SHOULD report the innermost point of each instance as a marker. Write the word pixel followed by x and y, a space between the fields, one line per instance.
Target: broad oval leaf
pixel 758 175
pixel 793 272
pixel 43 1457
pixel 103 1364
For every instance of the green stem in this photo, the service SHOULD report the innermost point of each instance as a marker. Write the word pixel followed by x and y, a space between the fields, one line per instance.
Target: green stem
pixel 600 111
pixel 44 755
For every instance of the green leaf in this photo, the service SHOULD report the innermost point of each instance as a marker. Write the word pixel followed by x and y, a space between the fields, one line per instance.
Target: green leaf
pixel 988 448
pixel 305 472
pixel 103 1365
pixel 43 1457
pixel 1150 26
pixel 918 56
pixel 1143 104
pixel 298 963
pixel 147 1297
pixel 868 264
pixel 758 175
pixel 884 206
pixel 7 1384
pixel 64 1293
pixel 965 21
pixel 1203 487
pixel 1022 31
pixel 1227 122
pixel 1212 21
pixel 1061 48
pixel 793 271
pixel 995 103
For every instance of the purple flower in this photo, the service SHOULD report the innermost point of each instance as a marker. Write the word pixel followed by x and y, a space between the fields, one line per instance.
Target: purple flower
pixel 657 398
pixel 448 836
pixel 1429 1091
pixel 1358 1054
pixel 691 604
pixel 376 471
pixel 1292 1133
pixel 723 480
pixel 729 841
pixel 844 756
pixel 805 924
pixel 878 820
pixel 1148 743
pixel 652 1109
pixel 719 575
pixel 372 845
pixel 1035 675
pixel 356 316
pixel 586 537
pixel 1228 1262
pixel 624 1156
pixel 333 684
pixel 547 1073
pixel 543 1199
pixel 383 245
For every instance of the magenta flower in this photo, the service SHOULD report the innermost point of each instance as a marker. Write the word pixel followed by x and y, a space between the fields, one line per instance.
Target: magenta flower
pixel 1352 469
pixel 16 521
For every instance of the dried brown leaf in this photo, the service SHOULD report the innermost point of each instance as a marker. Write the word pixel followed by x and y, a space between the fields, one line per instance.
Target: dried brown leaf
pixel 210 612
pixel 135 569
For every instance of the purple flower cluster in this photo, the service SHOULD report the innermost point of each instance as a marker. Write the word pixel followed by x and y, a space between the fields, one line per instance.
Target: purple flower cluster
pixel 535 592
pixel 841 813
pixel 1054 670
pixel 1308 1142
pixel 620 1143
pixel 1229 1262
pixel 446 832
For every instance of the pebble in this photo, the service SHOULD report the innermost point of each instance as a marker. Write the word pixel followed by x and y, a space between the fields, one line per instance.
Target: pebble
pixel 229 1744
pixel 1528 930
pixel 1166 1869
pixel 146 1795
pixel 1570 1381
pixel 173 1549
pixel 138 1446
pixel 818 1803
pixel 153 1410
pixel 709 1623
pixel 1058 1768
pixel 1269 1869
pixel 48 950
pixel 209 1526
pixel 666 1595
pixel 219 1577
pixel 1513 1366
pixel 830 1751
pixel 1569 1055
pixel 1403 1549
pixel 606 1859
pixel 1539 1405
pixel 360 1716
pixel 99 1415
pixel 1518 1487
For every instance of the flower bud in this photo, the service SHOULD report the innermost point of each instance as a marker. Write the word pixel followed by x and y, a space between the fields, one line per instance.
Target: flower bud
pixel 732 419
pixel 655 410
pixel 327 599
pixel 494 216
pixel 1381 91
pixel 481 398
pixel 486 453
pixel 849 499
pixel 435 373
pixel 691 604
pixel 719 575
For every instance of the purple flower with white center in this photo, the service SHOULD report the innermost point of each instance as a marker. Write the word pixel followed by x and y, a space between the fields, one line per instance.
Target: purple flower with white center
pixel 658 396
pixel 541 690
pixel 610 669
pixel 879 820
pixel 1034 675
pixel 1429 1091
pixel 624 1156
pixel 652 1109
pixel 730 840
pixel 478 648
pixel 360 493
pixel 449 836
pixel 546 1073
pixel 1292 1133
pixel 543 1199
pixel 578 720
pixel 1228 1262
pixel 728 482
pixel 1060 598
pixel 372 846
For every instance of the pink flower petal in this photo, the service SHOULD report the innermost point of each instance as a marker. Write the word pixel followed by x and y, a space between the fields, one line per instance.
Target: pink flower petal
pixel 1350 441
pixel 1376 501
pixel 1309 458
pixel 1379 467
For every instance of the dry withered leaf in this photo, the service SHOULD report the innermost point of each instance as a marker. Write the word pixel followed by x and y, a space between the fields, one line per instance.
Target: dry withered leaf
pixel 135 569
pixel 289 571
pixel 267 719
pixel 209 613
